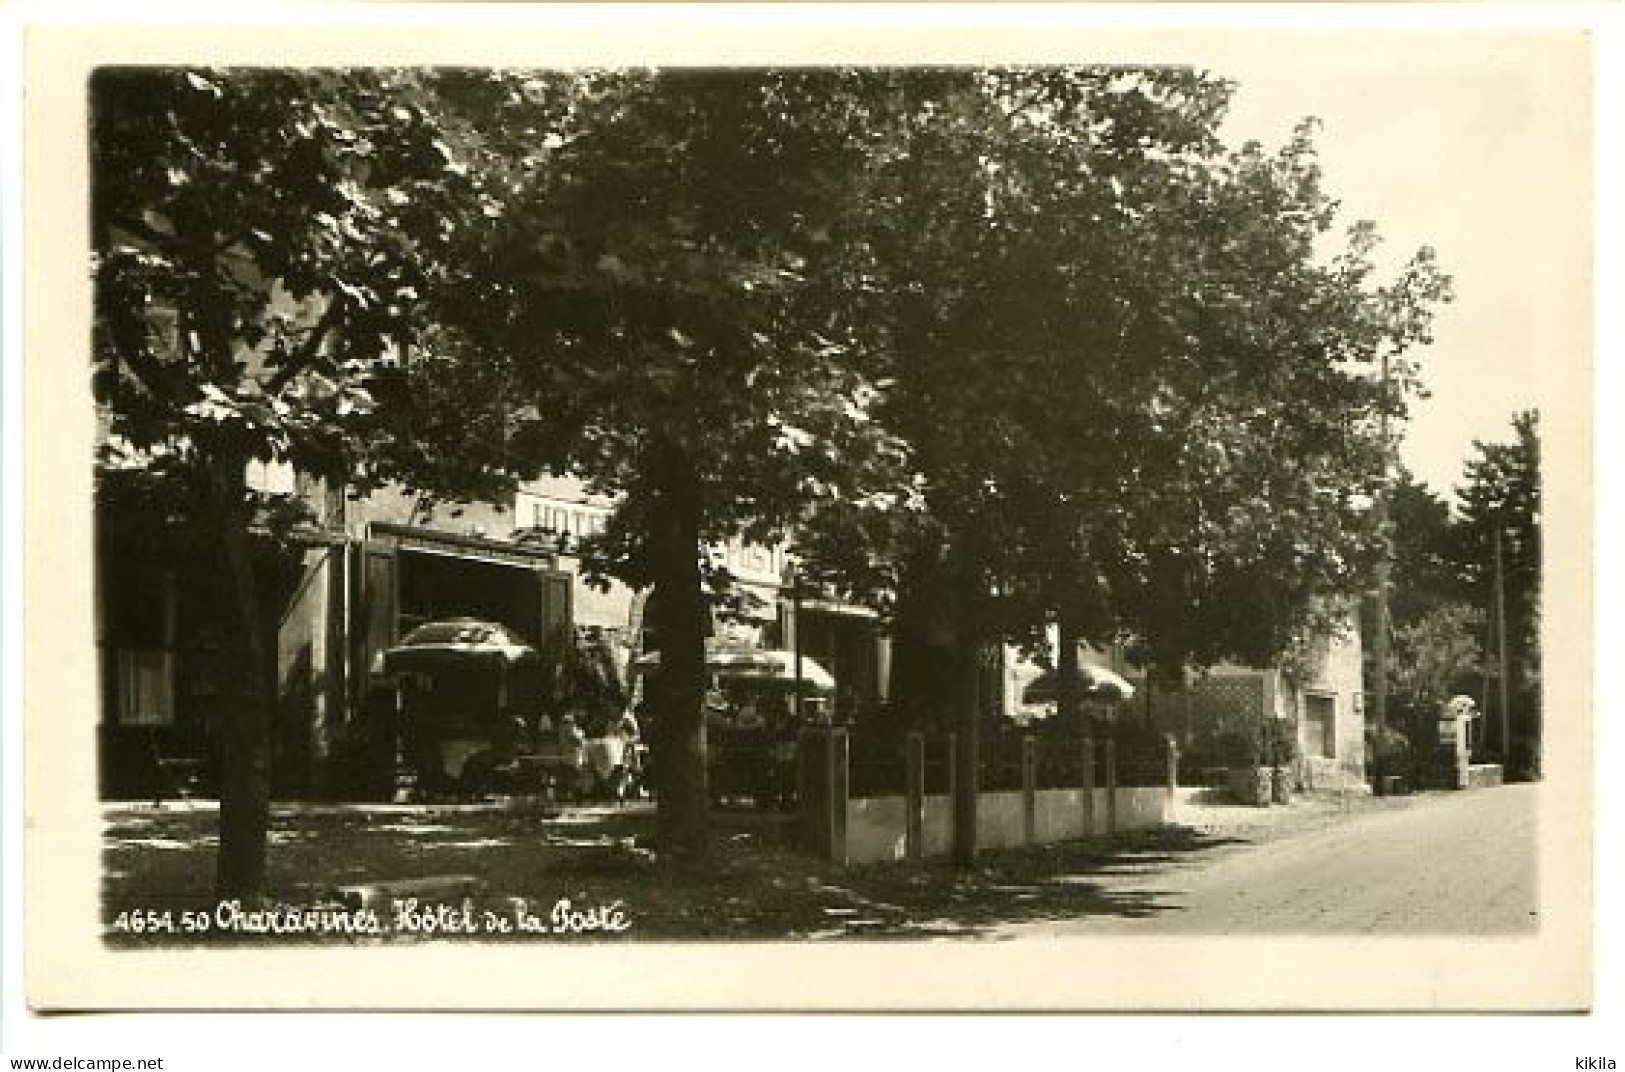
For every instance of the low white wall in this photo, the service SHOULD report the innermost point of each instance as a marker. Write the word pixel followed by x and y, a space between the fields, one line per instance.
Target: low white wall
pixel 939 825
pixel 1063 815
pixel 877 827
pixel 1141 808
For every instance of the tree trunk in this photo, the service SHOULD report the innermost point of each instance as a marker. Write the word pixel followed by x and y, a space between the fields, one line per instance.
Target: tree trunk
pixel 915 684
pixel 678 615
pixel 245 782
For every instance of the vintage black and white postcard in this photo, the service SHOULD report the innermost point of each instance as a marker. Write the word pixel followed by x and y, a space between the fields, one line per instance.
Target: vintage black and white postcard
pixel 803 511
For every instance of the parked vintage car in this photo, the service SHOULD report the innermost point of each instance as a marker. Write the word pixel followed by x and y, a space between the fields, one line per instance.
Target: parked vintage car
pixel 480 711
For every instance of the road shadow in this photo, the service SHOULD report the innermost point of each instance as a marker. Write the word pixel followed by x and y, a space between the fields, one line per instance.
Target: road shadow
pixel 1068 882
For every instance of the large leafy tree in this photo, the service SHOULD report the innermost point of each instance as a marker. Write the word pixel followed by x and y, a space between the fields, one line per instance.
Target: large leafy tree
pixel 1007 219
pixel 262 243
pixel 1252 449
pixel 1142 398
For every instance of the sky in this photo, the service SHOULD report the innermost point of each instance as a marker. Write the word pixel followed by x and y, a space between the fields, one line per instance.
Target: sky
pixel 1462 143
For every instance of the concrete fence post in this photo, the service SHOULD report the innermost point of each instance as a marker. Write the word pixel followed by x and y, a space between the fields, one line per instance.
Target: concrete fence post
pixel 810 795
pixel 914 771
pixel 1029 789
pixel 810 789
pixel 839 789
pixel 1111 786
pixel 1173 763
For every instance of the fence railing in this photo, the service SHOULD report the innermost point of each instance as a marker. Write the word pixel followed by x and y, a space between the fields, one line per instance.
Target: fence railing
pixel 1059 762
pixel 762 769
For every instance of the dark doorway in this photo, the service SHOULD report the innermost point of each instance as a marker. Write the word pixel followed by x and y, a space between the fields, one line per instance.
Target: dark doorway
pixel 434 587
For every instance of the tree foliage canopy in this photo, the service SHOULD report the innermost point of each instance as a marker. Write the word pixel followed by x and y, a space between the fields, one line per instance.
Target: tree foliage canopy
pixel 263 240
pixel 664 288
pixel 1129 373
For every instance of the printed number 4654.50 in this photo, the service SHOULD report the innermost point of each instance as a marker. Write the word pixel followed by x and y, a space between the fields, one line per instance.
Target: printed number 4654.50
pixel 154 921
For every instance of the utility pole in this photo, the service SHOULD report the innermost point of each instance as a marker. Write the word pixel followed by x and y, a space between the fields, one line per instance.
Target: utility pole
pixel 1486 673
pixel 1501 650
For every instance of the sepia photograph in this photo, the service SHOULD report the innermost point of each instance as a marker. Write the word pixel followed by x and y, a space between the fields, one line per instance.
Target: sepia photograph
pixel 868 509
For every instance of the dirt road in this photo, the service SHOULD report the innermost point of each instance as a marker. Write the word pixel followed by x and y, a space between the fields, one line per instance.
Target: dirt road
pixel 1460 863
